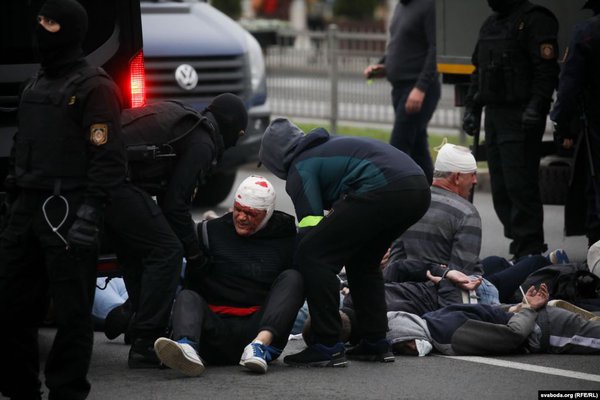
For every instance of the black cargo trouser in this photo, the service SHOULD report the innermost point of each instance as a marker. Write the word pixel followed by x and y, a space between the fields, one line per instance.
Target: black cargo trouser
pixel 514 160
pixel 222 338
pixel 35 265
pixel 356 234
pixel 150 254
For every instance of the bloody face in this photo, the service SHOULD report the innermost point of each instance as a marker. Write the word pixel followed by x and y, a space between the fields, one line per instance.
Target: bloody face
pixel 247 219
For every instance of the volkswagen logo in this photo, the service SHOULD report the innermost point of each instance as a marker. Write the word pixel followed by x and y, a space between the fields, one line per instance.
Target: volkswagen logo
pixel 186 76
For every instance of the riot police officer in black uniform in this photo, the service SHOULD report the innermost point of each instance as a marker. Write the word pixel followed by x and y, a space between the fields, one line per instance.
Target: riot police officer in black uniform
pixel 516 72
pixel 577 118
pixel 68 154
pixel 169 145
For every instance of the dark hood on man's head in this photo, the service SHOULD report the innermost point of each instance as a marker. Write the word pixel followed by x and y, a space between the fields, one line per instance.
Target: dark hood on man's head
pixel 62 47
pixel 278 144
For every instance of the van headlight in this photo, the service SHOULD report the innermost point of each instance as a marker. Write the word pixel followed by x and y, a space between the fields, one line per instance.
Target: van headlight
pixel 257 62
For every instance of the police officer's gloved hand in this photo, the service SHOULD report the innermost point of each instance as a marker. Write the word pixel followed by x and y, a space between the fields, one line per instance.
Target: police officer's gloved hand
pixel 532 119
pixel 85 232
pixel 471 121
pixel 534 115
pixel 197 268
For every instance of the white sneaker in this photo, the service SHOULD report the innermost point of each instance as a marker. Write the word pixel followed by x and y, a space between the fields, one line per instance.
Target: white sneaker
pixel 254 358
pixel 590 316
pixel 179 356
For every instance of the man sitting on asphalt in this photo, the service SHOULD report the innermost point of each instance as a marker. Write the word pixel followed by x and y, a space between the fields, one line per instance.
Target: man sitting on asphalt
pixel 448 237
pixel 244 291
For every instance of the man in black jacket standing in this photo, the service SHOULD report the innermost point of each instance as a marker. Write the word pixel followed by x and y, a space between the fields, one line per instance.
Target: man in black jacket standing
pixel 68 156
pixel 410 65
pixel 516 72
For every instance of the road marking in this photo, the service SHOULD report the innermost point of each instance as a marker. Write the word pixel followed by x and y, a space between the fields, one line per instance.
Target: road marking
pixel 528 367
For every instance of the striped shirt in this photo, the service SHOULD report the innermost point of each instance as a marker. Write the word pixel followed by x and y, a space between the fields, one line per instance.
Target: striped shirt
pixel 449 233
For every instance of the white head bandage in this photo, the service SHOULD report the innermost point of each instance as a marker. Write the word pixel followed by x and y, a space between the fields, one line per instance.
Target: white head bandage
pixel 453 158
pixel 257 192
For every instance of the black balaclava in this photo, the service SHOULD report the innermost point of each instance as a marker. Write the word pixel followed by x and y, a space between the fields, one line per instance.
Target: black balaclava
pixel 231 116
pixel 593 5
pixel 62 47
pixel 504 6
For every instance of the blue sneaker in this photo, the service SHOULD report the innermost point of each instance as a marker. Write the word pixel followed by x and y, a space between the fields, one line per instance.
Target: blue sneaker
pixel 318 355
pixel 558 256
pixel 179 355
pixel 256 356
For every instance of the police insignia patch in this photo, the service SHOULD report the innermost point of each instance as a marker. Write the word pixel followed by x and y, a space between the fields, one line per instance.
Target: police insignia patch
pixel 547 51
pixel 98 134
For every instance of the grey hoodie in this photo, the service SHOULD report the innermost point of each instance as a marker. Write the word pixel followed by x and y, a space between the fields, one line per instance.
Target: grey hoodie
pixel 278 144
pixel 406 326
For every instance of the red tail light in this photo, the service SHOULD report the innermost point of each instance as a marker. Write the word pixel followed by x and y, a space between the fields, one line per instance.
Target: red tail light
pixel 137 79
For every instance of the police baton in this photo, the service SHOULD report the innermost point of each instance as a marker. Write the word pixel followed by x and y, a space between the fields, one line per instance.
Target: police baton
pixel 474 150
pixel 586 137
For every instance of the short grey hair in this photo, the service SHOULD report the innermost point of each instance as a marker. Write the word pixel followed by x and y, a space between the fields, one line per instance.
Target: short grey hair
pixel 441 174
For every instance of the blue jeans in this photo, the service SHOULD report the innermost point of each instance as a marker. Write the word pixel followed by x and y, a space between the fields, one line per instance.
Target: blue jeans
pixel 410 130
pixel 108 298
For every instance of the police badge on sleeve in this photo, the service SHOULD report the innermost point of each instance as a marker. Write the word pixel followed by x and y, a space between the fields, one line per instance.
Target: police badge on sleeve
pixel 98 134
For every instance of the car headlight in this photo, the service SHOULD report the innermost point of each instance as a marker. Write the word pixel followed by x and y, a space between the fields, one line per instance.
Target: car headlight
pixel 257 62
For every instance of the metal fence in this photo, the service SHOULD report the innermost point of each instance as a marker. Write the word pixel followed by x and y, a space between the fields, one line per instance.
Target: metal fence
pixel 320 75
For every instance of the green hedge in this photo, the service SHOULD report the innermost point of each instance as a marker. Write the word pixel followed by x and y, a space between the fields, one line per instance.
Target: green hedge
pixel 233 8
pixel 361 9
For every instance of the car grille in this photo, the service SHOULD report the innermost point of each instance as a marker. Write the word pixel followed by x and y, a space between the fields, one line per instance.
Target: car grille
pixel 216 75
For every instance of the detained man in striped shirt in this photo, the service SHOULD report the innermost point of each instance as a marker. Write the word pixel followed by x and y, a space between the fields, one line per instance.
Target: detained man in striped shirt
pixel 448 237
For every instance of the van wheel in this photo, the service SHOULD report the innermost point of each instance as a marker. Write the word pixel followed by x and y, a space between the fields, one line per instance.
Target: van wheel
pixel 214 190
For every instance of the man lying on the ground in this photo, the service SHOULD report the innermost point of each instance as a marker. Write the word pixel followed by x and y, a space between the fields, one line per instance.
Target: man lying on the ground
pixel 422 297
pixel 479 329
pixel 241 302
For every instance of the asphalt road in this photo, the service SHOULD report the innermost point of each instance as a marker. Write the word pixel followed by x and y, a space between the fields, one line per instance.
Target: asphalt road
pixel 432 377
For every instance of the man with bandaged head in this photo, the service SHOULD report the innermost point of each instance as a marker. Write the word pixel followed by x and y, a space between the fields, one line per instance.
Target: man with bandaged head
pixel 67 156
pixel 241 305
pixel 448 238
pixel 516 72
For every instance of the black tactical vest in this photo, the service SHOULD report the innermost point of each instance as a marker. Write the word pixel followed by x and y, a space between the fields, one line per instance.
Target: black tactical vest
pixel 505 69
pixel 149 133
pixel 50 146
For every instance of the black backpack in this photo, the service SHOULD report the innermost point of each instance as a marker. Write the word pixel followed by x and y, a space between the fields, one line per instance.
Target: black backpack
pixel 570 282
